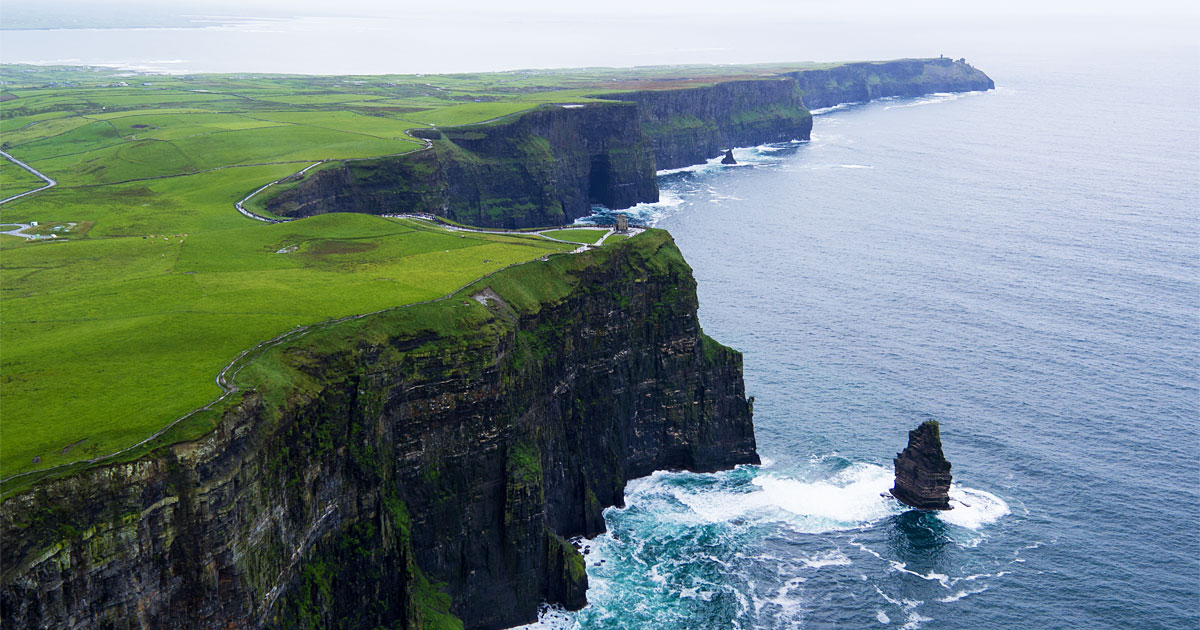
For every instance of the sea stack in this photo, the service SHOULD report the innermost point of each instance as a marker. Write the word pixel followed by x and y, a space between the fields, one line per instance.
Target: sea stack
pixel 728 159
pixel 922 471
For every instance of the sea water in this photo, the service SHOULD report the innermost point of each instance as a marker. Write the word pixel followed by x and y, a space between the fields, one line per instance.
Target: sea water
pixel 1020 265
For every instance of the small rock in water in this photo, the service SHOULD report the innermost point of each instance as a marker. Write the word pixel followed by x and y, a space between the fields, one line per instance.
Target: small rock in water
pixel 728 159
pixel 922 471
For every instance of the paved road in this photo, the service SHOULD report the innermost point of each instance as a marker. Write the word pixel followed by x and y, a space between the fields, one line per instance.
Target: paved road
pixel 17 231
pixel 49 182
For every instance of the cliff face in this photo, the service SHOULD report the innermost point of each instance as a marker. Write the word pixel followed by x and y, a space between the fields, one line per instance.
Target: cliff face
pixel 856 82
pixel 393 470
pixel 544 167
pixel 548 166
pixel 689 126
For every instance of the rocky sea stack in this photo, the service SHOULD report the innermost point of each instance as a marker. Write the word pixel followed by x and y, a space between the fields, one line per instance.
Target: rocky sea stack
pixel 728 159
pixel 922 471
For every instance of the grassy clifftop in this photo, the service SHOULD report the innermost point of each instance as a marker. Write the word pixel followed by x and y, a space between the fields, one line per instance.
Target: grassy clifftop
pixel 114 331
pixel 107 340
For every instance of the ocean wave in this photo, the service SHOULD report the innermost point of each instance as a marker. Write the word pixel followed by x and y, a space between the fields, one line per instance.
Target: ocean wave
pixel 648 214
pixel 961 594
pixel 825 110
pixel 847 500
pixel 974 508
pixel 937 97
pixel 833 558
pixel 551 618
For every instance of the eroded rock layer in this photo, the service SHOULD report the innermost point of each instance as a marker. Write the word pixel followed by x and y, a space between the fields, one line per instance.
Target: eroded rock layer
pixel 395 470
pixel 858 82
pixel 550 165
pixel 922 471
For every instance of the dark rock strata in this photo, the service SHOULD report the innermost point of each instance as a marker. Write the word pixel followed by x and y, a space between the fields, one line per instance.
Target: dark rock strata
pixel 922 471
pixel 544 167
pixel 549 165
pixel 857 82
pixel 689 126
pixel 416 463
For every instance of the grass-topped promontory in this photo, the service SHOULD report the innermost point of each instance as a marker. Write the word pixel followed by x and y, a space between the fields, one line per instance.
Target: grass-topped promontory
pixel 120 326
pixel 107 340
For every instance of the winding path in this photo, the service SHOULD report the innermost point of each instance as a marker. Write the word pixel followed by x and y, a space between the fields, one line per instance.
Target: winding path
pixel 228 374
pixel 226 377
pixel 50 183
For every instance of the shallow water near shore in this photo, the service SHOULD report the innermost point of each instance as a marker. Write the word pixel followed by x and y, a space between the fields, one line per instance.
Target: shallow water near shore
pixel 1021 265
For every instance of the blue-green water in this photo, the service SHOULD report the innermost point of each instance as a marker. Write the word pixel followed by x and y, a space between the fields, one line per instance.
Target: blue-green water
pixel 1021 265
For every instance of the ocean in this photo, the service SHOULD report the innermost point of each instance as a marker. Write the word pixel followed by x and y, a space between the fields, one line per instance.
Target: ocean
pixel 1020 265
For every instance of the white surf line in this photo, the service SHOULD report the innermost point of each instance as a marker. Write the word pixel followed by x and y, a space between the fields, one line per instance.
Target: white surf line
pixel 50 183
pixel 225 378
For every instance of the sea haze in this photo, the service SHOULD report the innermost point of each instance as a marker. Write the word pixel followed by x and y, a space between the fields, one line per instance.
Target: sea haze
pixel 1020 265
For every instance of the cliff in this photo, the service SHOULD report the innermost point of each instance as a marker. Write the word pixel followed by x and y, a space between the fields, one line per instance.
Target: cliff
pixel 549 166
pixel 400 470
pixel 922 471
pixel 689 126
pixel 856 82
pixel 544 167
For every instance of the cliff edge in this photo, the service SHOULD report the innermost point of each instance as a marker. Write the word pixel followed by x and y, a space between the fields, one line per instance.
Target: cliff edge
pixel 409 469
pixel 550 165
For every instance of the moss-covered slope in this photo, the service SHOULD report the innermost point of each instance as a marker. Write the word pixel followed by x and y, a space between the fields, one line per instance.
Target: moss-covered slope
pixel 410 469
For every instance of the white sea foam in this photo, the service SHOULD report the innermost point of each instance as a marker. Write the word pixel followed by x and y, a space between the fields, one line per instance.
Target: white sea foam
pixel 940 578
pixel 973 508
pixel 647 214
pixel 961 594
pixel 848 500
pixel 939 97
pixel 825 110
pixel 833 558
pixel 551 618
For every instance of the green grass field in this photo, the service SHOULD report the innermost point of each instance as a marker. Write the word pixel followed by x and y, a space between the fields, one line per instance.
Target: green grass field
pixel 106 340
pixel 15 180
pixel 120 326
pixel 583 235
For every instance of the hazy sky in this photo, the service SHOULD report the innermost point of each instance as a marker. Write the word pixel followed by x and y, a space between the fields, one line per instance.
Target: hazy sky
pixel 397 36
pixel 633 8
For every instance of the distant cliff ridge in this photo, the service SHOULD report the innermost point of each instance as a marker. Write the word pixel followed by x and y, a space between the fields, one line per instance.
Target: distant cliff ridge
pixel 689 126
pixel 544 167
pixel 549 166
pixel 857 82
pixel 418 465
